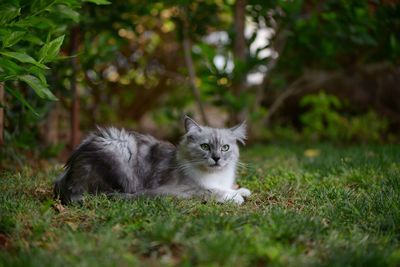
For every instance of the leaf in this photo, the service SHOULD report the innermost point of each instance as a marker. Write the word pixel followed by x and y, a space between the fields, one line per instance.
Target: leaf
pixel 68 12
pixel 35 22
pixel 8 12
pixel 38 72
pixel 13 38
pixel 41 5
pixel 98 2
pixel 24 58
pixel 59 207
pixel 50 50
pixel 40 89
pixel 10 67
pixel 33 39
pixel 22 100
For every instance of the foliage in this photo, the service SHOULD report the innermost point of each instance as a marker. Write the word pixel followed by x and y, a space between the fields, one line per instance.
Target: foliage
pixel 32 33
pixel 323 120
pixel 337 207
pixel 134 65
pixel 280 132
pixel 317 34
pixel 130 66
pixel 366 128
pixel 31 36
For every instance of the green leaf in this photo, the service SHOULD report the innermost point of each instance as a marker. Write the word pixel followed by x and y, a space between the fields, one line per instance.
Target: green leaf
pixel 10 67
pixel 42 23
pixel 38 72
pixel 21 99
pixel 33 39
pixel 13 38
pixel 40 89
pixel 50 50
pixel 68 13
pixel 8 12
pixel 98 2
pixel 41 5
pixel 24 58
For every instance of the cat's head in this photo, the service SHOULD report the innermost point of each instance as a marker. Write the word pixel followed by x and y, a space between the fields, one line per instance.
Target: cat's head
pixel 211 149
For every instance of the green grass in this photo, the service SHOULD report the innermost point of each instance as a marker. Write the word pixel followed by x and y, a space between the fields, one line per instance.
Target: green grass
pixel 338 206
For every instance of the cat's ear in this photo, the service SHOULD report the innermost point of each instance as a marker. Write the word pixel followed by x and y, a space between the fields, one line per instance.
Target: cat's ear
pixel 191 125
pixel 239 131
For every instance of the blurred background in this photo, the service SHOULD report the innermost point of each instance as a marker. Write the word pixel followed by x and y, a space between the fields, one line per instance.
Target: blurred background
pixel 298 71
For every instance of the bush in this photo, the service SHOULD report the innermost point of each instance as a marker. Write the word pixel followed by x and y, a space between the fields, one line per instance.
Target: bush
pixel 324 121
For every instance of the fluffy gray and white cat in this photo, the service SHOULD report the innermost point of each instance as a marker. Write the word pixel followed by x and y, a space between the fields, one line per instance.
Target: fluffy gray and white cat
pixel 129 164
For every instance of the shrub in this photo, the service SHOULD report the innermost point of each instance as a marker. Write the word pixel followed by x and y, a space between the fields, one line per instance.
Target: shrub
pixel 324 121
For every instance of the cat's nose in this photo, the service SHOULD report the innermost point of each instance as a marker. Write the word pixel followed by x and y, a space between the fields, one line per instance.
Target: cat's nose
pixel 215 158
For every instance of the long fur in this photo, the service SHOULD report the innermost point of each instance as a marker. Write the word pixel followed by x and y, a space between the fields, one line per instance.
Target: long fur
pixel 128 164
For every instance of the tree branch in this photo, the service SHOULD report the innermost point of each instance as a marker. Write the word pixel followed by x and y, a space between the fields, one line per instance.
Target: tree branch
pixel 290 90
pixel 310 79
pixel 187 49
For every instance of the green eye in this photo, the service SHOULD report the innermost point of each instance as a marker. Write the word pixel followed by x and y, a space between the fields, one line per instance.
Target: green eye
pixel 205 147
pixel 225 148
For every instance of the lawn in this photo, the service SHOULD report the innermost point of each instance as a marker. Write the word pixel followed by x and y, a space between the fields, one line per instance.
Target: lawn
pixel 319 205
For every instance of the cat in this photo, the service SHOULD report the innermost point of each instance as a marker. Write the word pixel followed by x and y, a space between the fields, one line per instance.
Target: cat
pixel 129 164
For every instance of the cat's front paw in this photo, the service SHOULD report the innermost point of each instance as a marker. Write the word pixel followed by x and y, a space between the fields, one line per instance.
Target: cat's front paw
pixel 233 196
pixel 244 192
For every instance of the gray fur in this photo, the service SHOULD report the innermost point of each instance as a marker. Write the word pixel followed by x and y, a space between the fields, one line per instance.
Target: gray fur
pixel 129 164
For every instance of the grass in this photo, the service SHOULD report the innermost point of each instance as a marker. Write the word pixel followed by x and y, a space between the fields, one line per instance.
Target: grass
pixel 319 206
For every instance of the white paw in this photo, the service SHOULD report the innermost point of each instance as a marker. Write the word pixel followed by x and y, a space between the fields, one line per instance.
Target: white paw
pixel 244 192
pixel 233 196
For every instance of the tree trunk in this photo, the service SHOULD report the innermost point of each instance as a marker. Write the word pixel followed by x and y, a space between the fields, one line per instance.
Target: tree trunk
pixel 239 52
pixel 1 114
pixel 75 107
pixel 239 23
pixel 51 127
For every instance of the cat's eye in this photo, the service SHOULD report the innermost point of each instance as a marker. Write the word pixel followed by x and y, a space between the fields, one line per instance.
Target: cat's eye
pixel 205 147
pixel 225 148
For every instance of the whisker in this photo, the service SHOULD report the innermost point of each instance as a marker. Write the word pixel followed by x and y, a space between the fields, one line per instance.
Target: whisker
pixel 186 165
pixel 242 166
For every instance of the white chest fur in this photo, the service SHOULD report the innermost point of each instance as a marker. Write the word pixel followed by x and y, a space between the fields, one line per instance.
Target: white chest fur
pixel 223 179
